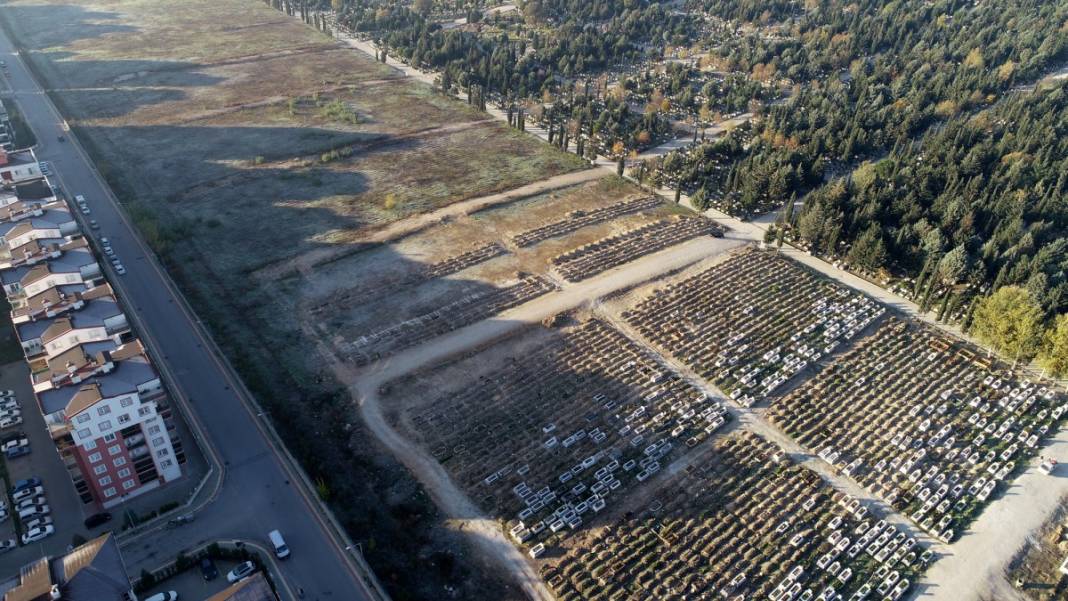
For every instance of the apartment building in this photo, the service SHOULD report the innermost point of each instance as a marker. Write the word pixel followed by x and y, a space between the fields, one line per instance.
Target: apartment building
pixel 102 399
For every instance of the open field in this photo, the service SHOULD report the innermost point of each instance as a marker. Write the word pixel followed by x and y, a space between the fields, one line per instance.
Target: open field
pixel 923 420
pixel 752 322
pixel 546 431
pixel 741 522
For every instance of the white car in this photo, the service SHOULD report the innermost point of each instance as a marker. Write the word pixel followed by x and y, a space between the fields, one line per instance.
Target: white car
pixel 1048 466
pixel 32 523
pixel 39 500
pixel 7 393
pixel 242 571
pixel 27 493
pixel 164 596
pixel 39 533
pixel 34 510
pixel 10 422
pixel 9 404
pixel 119 269
pixel 78 198
pixel 4 413
pixel 17 442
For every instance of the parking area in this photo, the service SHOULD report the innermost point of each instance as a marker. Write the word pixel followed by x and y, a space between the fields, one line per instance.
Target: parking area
pixel 66 509
pixel 191 585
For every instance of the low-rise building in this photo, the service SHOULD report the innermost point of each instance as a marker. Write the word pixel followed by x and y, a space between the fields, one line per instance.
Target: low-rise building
pixel 99 320
pixel 77 266
pixel 93 571
pixel 18 166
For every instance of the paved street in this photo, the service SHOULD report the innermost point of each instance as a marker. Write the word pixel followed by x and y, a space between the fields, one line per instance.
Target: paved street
pixel 258 491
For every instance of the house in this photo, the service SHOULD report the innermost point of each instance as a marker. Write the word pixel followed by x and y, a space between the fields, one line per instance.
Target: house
pixel 100 319
pixel 55 221
pixel 113 431
pixel 253 588
pixel 81 362
pixel 56 301
pixel 18 166
pixel 77 266
pixel 93 571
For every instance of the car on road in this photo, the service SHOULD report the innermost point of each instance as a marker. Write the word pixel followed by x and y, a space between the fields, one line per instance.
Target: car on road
pixel 119 269
pixel 34 510
pixel 11 443
pixel 85 209
pixel 25 483
pixel 1048 466
pixel 108 251
pixel 242 571
pixel 7 545
pixel 164 596
pixel 208 569
pixel 27 493
pixel 281 549
pixel 43 520
pixel 78 198
pixel 93 224
pixel 10 422
pixel 97 519
pixel 16 452
pixel 39 533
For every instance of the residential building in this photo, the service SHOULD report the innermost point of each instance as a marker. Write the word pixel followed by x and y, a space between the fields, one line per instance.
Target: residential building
pixel 113 429
pixel 18 166
pixel 93 571
pixel 98 320
pixel 253 588
pixel 77 266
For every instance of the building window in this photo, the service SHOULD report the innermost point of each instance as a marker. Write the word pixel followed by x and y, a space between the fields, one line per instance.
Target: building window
pixel 127 401
pixel 100 469
pixel 84 433
pixel 82 418
pixel 94 457
pixel 104 410
pixel 162 453
pixel 105 425
pixel 105 481
pixel 124 419
pixel 119 461
pixel 110 437
pixel 114 450
pixel 89 445
pixel 153 430
pixel 124 472
pixel 143 411
pixel 165 463
pixel 109 492
pixel 128 484
pixel 157 442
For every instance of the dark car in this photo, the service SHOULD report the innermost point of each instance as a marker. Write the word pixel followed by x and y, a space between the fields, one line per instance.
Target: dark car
pixel 208 569
pixel 12 436
pixel 15 452
pixel 97 519
pixel 24 484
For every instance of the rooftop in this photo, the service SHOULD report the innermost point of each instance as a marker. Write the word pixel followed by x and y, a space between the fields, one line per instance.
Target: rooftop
pixel 92 572
pixel 124 379
pixel 92 315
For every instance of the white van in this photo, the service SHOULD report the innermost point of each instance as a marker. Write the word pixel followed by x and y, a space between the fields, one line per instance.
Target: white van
pixel 281 551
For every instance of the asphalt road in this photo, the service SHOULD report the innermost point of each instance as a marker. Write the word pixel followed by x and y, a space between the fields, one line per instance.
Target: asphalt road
pixel 259 489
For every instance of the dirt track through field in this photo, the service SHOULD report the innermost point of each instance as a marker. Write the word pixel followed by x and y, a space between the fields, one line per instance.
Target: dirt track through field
pixel 416 223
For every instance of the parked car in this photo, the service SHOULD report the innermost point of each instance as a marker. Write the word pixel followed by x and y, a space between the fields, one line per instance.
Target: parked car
pixel 85 209
pixel 27 493
pixel 97 519
pixel 10 413
pixel 93 224
pixel 25 483
pixel 7 545
pixel 78 198
pixel 9 404
pixel 38 533
pixel 34 510
pixel 10 443
pixel 10 422
pixel 4 515
pixel 242 571
pixel 12 436
pixel 119 269
pixel 7 393
pixel 32 501
pixel 16 452
pixel 164 596
pixel 43 520
pixel 208 569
